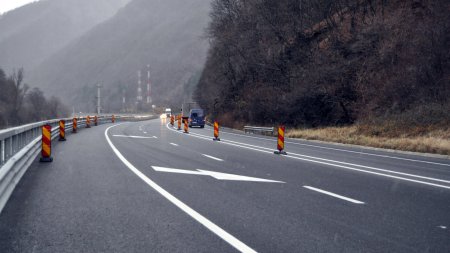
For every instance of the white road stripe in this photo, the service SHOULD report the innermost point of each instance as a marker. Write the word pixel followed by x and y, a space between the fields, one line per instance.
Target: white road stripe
pixel 133 136
pixel 343 150
pixel 212 157
pixel 233 241
pixel 155 137
pixel 261 149
pixel 345 163
pixel 174 144
pixel 145 132
pixel 334 195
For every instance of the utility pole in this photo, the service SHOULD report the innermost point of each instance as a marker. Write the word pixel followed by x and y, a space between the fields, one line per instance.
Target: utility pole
pixel 139 89
pixel 123 100
pixel 149 87
pixel 98 99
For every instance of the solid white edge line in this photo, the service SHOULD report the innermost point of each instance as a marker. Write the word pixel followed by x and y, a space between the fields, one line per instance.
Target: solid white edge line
pixel 233 241
pixel 212 157
pixel 332 165
pixel 338 149
pixel 334 195
pixel 345 163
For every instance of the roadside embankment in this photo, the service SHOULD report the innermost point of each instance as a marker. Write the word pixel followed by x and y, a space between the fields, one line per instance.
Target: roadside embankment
pixel 431 140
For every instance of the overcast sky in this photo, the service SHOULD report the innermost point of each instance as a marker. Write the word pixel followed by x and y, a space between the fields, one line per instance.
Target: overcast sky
pixel 6 5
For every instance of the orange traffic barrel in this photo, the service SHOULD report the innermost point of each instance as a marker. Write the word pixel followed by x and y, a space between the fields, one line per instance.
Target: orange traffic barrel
pixel 280 141
pixel 62 130
pixel 46 152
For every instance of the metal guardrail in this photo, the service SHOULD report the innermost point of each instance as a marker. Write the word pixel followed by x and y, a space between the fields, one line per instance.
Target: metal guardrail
pixel 260 130
pixel 20 145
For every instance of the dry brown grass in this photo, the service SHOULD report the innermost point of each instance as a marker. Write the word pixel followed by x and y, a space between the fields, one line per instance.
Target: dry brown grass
pixel 434 141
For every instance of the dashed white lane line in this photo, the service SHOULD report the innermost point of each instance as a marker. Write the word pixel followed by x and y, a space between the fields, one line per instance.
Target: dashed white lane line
pixel 174 144
pixel 155 137
pixel 265 150
pixel 133 136
pixel 145 132
pixel 233 241
pixel 212 157
pixel 334 195
pixel 343 150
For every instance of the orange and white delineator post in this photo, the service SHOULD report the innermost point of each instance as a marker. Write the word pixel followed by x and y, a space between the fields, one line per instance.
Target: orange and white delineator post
pixel 172 120
pixel 88 122
pixel 62 130
pixel 280 142
pixel 186 127
pixel 113 119
pixel 216 131
pixel 74 125
pixel 95 120
pixel 46 152
pixel 179 122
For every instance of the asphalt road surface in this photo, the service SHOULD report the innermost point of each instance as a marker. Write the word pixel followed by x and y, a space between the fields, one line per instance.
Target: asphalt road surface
pixel 146 187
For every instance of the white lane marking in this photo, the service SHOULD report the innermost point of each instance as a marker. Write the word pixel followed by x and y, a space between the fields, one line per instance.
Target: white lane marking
pixel 212 157
pixel 233 241
pixel 333 165
pixel 216 175
pixel 155 137
pixel 351 164
pixel 443 227
pixel 174 144
pixel 133 136
pixel 343 150
pixel 345 163
pixel 145 132
pixel 334 195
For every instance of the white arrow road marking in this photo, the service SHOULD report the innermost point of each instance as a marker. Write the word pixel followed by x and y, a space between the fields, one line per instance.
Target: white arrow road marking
pixel 334 195
pixel 233 241
pixel 135 137
pixel 216 175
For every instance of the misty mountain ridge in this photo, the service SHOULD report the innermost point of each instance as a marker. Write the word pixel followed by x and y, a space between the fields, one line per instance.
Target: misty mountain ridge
pixel 33 32
pixel 167 35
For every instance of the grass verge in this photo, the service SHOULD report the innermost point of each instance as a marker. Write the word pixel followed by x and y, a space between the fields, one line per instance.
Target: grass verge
pixel 436 141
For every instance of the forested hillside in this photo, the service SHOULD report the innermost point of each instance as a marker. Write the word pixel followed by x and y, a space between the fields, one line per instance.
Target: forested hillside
pixel 321 63
pixel 19 104
pixel 30 34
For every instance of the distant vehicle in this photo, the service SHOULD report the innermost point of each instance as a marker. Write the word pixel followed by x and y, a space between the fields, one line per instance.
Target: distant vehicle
pixel 168 112
pixel 197 118
pixel 186 108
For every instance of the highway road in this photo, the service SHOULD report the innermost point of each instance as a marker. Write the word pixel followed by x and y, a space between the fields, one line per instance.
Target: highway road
pixel 146 187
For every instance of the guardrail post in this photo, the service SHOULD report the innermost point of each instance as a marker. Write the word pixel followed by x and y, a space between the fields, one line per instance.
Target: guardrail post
pixel 46 144
pixel 3 152
pixel 62 130
pixel 216 131
pixel 280 142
